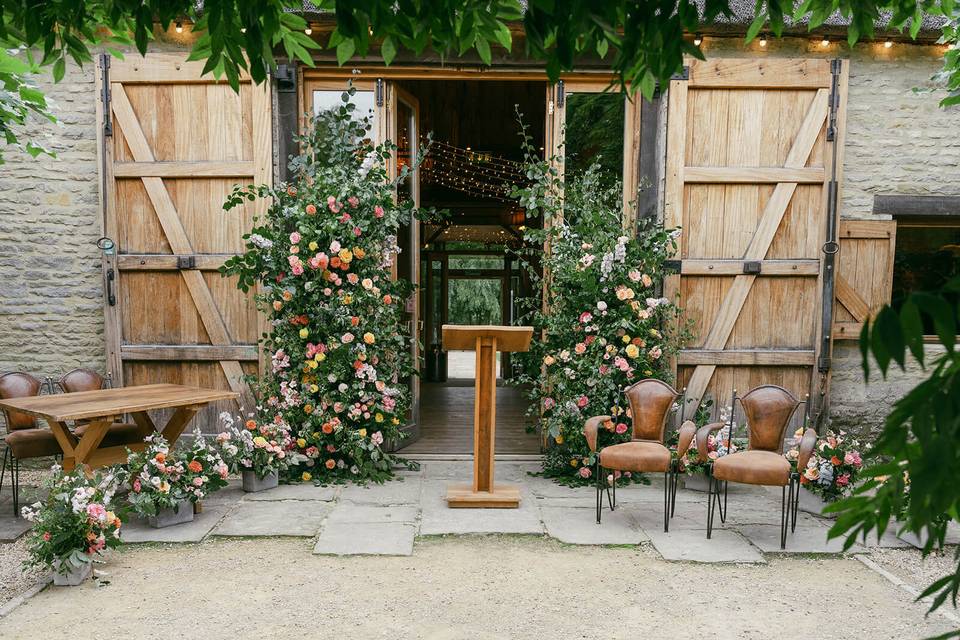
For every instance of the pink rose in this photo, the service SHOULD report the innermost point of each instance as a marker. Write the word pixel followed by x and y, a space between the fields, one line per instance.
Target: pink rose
pixel 353 201
pixel 332 204
pixel 582 401
pixel 580 349
pixel 548 403
pixel 621 428
pixel 585 472
pixel 294 238
pixel 377 438
pixel 378 211
pixel 357 232
pixel 585 317
pixel 843 480
pixel 198 481
pixel 656 352
pixel 136 485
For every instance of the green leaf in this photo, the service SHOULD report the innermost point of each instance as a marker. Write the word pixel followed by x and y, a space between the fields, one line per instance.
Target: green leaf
pixel 59 69
pixel 388 50
pixel 345 51
pixel 504 37
pixel 755 26
pixel 483 49
pixel 10 64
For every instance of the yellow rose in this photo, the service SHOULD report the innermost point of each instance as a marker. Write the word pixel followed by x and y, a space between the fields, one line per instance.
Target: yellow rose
pixel 378 417
pixel 313 246
pixel 301 443
pixel 369 338
pixel 312 364
pixel 626 339
pixel 574 462
pixel 363 433
pixel 304 333
pixel 260 441
pixel 549 360
pixel 314 388
pixel 395 421
pixel 316 434
pixel 632 350
pixel 347 299
pixel 306 477
pixel 559 439
pixel 320 357
pixel 346 255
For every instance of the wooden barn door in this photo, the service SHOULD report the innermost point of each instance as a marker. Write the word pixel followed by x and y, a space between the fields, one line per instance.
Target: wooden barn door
pixel 749 165
pixel 173 145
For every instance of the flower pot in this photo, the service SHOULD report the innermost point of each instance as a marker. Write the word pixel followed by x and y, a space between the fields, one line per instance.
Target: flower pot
pixel 73 576
pixel 812 503
pixel 197 507
pixel 170 516
pixel 696 482
pixel 252 484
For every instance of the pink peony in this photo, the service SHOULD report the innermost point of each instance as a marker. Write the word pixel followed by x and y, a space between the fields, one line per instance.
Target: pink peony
pixel 585 472
pixel 377 438
pixel 843 480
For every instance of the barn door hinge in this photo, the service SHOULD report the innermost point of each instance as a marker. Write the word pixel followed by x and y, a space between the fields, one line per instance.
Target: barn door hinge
pixel 378 92
pixel 104 63
pixel 684 74
pixel 672 266
pixel 835 67
pixel 286 77
pixel 186 262
pixel 561 94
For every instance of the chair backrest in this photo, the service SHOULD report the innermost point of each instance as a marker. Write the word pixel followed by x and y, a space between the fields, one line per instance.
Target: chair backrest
pixel 768 409
pixel 19 385
pixel 650 403
pixel 81 380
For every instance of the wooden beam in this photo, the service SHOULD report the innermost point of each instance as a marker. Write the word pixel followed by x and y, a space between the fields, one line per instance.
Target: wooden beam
pixel 809 267
pixel 747 357
pixel 868 228
pixel 219 169
pixel 161 68
pixel 769 73
pixel 850 299
pixel 847 330
pixel 153 262
pixel 753 175
pixel 189 352
pixel 903 205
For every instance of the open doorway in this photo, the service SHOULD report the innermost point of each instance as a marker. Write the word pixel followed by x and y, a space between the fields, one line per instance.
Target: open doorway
pixel 467 273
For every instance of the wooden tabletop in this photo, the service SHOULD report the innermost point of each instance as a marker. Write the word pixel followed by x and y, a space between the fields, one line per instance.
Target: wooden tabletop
pixel 62 407
pixel 464 336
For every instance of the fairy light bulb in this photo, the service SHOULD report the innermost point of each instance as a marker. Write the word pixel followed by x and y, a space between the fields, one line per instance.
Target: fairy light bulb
pixel 697 39
pixel 825 42
pixel 763 40
pixel 888 43
pixel 308 30
pixel 179 27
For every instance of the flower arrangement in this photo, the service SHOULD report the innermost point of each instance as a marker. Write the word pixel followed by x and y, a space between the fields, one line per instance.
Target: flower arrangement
pixel 605 322
pixel 833 468
pixel 719 442
pixel 322 256
pixel 259 447
pixel 75 523
pixel 161 478
pixel 205 462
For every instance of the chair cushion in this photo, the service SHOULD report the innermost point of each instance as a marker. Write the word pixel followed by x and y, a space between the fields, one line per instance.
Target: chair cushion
pixel 638 455
pixel 33 443
pixel 753 467
pixel 118 435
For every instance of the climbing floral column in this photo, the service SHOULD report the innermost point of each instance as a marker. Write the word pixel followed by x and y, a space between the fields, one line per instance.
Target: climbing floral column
pixel 321 260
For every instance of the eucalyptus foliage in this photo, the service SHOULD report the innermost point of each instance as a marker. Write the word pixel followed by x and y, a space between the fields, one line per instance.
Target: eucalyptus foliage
pixel 916 459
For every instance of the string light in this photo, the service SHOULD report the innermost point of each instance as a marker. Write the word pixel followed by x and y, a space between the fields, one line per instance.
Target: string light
pixel 763 40
pixel 697 39
pixel 308 30
pixel 243 29
pixel 825 42
pixel 179 27
pixel 888 43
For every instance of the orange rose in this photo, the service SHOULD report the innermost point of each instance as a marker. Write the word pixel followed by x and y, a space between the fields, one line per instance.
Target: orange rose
pixel 359 253
pixel 160 458
pixel 291 191
pixel 835 461
pixel 327 428
pixel 387 299
pixel 308 408
pixel 335 262
pixel 195 466
pixel 251 425
pixel 354 321
pixel 311 210
pixel 330 464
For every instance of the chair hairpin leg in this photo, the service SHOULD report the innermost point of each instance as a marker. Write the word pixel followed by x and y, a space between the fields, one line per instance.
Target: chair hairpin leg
pixel 726 492
pixel 15 475
pixel 673 491
pixel 597 480
pixel 796 502
pixel 7 453
pixel 667 491
pixel 606 485
pixel 785 514
pixel 710 504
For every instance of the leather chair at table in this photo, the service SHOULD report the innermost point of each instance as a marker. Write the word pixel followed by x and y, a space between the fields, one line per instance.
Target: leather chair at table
pixel 768 410
pixel 119 434
pixel 25 438
pixel 650 401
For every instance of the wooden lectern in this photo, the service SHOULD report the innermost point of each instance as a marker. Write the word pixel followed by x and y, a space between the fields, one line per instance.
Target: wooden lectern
pixel 486 340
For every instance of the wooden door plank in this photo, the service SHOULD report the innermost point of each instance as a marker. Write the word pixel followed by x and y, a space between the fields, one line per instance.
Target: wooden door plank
pixel 706 267
pixel 673 187
pixel 753 175
pixel 850 299
pixel 747 357
pixel 768 73
pixel 188 169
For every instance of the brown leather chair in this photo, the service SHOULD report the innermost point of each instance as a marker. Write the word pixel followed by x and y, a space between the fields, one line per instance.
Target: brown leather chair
pixel 25 438
pixel 768 409
pixel 650 403
pixel 119 434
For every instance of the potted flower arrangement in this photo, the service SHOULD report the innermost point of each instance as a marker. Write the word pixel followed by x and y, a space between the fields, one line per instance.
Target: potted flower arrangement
pixel 718 444
pixel 831 471
pixel 74 525
pixel 164 483
pixel 258 450
pixel 339 349
pixel 209 470
pixel 605 327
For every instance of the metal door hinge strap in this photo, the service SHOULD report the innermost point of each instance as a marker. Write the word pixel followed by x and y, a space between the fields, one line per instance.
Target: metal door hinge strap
pixel 561 98
pixel 378 92
pixel 105 93
pixel 186 262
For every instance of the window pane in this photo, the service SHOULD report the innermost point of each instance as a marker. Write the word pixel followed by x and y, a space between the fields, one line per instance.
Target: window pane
pixel 476 262
pixel 333 98
pixel 926 257
pixel 406 148
pixel 474 301
pixel 594 131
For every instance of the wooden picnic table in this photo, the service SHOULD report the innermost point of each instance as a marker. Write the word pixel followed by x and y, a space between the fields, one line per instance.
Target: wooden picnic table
pixel 100 409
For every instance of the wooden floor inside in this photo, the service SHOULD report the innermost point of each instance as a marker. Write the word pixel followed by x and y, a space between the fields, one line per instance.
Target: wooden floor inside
pixel 446 421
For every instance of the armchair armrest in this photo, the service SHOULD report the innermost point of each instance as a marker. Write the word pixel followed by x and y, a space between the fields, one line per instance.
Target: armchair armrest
pixel 687 433
pixel 807 444
pixel 703 434
pixel 590 429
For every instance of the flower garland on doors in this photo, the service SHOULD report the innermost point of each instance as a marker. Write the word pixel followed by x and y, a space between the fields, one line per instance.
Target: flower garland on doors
pixel 322 257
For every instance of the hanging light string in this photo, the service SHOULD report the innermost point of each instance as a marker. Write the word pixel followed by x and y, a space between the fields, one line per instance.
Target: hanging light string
pixel 475 173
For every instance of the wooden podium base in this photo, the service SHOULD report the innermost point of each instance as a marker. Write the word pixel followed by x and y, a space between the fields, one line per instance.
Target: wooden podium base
pixel 503 496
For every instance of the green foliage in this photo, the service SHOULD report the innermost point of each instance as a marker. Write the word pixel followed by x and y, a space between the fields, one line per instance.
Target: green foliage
pixel 321 258
pixel 20 102
pixel 605 326
pixel 916 458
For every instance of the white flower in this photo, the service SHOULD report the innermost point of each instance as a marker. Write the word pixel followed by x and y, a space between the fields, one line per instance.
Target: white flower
pixel 368 162
pixel 602 306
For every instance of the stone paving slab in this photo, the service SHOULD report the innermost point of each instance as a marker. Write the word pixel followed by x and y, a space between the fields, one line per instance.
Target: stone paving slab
pixel 406 491
pixel 693 546
pixel 381 538
pixel 305 491
pixel 12 528
pixel 137 530
pixel 269 518
pixel 576 525
pixel 438 519
pixel 347 512
pixel 806 539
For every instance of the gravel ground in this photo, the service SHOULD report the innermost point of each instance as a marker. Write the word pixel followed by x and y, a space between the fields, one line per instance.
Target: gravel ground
pixel 13 578
pixel 910 566
pixel 469 587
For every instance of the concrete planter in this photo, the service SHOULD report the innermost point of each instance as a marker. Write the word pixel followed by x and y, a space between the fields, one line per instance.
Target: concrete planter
pixel 696 482
pixel 812 503
pixel 72 577
pixel 253 484
pixel 179 514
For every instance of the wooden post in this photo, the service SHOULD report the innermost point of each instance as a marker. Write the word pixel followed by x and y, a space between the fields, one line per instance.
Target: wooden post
pixel 486 341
